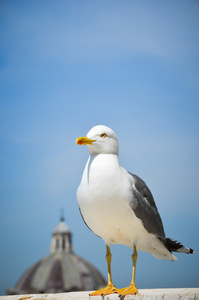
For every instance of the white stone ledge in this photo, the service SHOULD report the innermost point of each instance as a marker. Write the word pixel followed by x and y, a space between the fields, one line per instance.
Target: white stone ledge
pixel 155 294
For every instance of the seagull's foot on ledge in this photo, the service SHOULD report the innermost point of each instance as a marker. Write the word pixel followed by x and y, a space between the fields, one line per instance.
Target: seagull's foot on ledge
pixel 130 290
pixel 109 289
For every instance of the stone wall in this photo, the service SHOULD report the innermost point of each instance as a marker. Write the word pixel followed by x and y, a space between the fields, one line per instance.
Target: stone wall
pixel 157 294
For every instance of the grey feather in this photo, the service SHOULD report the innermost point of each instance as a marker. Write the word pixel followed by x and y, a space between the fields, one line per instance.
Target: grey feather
pixel 145 208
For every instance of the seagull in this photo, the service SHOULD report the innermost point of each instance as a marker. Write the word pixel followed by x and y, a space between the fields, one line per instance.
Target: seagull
pixel 119 207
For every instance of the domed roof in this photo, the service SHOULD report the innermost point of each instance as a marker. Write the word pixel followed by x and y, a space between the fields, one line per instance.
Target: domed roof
pixel 61 227
pixel 61 271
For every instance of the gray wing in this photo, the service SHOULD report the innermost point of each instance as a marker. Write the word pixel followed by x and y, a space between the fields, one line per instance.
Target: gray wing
pixel 145 208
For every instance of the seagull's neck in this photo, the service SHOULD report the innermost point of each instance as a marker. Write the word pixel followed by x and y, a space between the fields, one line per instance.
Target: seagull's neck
pixel 104 159
pixel 105 164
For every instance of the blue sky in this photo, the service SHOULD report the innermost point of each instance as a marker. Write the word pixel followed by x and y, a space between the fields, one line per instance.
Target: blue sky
pixel 66 66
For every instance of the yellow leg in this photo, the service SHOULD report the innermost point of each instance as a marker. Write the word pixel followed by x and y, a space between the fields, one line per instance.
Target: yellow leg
pixel 110 288
pixel 131 289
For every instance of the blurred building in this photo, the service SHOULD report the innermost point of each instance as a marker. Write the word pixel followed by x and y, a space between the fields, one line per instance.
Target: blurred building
pixel 61 271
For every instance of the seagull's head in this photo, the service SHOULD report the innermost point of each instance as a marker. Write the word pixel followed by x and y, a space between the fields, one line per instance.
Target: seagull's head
pixel 100 140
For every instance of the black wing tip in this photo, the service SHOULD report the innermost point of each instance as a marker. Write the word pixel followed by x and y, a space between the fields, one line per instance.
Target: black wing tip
pixel 191 251
pixel 178 247
pixel 174 246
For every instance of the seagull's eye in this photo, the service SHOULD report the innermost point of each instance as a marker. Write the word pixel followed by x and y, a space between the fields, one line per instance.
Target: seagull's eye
pixel 103 135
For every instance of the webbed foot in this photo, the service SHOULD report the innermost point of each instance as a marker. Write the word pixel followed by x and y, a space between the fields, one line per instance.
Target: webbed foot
pixel 109 289
pixel 130 290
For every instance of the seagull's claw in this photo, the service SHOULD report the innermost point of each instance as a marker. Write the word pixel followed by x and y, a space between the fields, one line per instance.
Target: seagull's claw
pixel 109 289
pixel 130 290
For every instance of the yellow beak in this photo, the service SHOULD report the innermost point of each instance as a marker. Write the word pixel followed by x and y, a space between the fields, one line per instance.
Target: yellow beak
pixel 84 141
